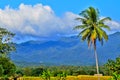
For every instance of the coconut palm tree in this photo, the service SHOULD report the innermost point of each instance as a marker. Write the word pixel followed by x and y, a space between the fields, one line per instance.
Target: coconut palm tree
pixel 92 29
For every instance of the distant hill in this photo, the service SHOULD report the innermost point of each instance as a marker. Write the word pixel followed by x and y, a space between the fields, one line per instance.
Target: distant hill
pixel 65 51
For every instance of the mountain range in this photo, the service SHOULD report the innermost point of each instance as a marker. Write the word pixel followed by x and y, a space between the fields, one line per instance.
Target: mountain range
pixel 65 51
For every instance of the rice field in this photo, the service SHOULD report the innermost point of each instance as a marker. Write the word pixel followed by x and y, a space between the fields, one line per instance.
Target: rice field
pixel 80 77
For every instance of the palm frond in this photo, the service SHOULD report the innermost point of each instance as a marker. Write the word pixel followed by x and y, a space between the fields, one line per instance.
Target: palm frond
pixel 89 40
pixel 84 33
pixel 93 13
pixel 105 35
pixel 93 35
pixel 80 27
pixel 104 26
pixel 84 14
pixel 105 19
pixel 99 35
pixel 81 19
pixel 102 34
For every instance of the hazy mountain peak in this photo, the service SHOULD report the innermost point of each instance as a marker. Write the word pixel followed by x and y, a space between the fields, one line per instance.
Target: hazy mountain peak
pixel 66 51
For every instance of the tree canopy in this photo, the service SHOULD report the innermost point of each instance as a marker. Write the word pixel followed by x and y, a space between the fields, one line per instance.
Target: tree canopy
pixel 92 26
pixel 6 45
pixel 7 67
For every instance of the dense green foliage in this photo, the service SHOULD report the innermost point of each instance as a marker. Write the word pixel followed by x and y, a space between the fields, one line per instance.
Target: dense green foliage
pixel 7 68
pixel 113 66
pixel 115 76
pixel 6 45
pixel 1 70
pixel 59 71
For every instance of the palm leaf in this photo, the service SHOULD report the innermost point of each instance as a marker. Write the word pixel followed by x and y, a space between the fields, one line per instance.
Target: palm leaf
pixel 84 14
pixel 89 40
pixel 84 33
pixel 102 34
pixel 105 19
pixel 105 35
pixel 82 20
pixel 93 14
pixel 104 26
pixel 93 35
pixel 80 27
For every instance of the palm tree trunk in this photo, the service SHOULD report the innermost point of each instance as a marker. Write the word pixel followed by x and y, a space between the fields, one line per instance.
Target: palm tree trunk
pixel 96 59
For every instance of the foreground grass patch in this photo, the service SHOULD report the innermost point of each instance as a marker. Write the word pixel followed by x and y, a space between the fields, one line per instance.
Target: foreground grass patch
pixel 80 77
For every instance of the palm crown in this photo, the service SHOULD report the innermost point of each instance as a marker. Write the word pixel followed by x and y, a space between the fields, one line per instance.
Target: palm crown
pixel 92 26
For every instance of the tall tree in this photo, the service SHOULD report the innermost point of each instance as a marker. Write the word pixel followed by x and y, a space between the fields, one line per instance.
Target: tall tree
pixel 92 29
pixel 6 45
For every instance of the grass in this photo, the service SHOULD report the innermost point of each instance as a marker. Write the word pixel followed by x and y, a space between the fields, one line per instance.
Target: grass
pixel 80 77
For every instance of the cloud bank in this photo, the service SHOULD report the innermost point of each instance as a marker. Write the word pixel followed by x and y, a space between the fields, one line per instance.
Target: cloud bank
pixel 36 21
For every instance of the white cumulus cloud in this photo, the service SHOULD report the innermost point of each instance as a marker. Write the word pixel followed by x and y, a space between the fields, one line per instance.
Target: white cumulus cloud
pixel 114 25
pixel 38 20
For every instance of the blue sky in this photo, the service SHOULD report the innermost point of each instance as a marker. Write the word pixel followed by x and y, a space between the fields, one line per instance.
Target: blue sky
pixel 35 19
pixel 107 7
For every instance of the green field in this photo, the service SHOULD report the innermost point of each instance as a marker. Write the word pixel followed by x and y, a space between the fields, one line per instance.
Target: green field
pixel 80 77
